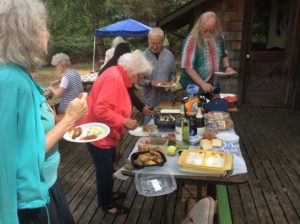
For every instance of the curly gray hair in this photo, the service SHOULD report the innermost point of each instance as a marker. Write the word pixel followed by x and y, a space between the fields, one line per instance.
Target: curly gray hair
pixel 23 32
pixel 136 62
pixel 61 59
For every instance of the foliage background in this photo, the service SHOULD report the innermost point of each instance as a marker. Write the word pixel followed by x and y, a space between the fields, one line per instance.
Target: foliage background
pixel 72 23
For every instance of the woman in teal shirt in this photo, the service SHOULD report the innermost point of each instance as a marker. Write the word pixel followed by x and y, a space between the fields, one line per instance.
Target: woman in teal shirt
pixel 24 196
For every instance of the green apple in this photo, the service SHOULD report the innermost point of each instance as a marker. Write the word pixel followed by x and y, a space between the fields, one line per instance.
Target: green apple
pixel 171 150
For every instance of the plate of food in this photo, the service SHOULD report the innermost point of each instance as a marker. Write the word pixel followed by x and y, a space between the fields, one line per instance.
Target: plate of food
pixel 139 132
pixel 166 84
pixel 89 132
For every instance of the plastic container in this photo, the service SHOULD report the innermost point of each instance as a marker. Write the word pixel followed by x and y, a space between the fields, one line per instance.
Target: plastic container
pixel 152 143
pixel 231 98
pixel 209 161
pixel 166 121
pixel 228 137
pixel 194 140
pixel 148 183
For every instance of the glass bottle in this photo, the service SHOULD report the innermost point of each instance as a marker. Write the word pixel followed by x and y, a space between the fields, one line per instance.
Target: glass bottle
pixel 185 130
pixel 179 125
pixel 199 122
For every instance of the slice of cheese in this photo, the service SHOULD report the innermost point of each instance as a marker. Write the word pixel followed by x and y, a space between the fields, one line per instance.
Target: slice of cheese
pixel 216 142
pixel 205 144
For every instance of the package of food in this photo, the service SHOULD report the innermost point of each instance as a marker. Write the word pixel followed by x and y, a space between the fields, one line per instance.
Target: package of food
pixel 220 124
pixel 152 143
pixel 165 121
pixel 217 115
pixel 191 106
pixel 208 161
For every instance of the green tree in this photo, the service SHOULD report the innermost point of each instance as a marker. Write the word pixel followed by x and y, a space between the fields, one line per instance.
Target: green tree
pixel 72 23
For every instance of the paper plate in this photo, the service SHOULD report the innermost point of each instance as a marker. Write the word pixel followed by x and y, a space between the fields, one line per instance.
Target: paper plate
pixel 224 73
pixel 166 86
pixel 138 132
pixel 228 137
pixel 105 130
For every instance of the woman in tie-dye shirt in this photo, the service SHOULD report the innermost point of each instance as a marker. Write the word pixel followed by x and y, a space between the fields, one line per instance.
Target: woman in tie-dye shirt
pixel 203 54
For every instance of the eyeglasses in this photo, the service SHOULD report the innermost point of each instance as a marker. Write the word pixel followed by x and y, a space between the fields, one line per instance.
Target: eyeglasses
pixel 206 31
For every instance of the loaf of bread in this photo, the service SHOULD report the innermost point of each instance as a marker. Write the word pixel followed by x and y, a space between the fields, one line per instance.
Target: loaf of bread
pixel 217 115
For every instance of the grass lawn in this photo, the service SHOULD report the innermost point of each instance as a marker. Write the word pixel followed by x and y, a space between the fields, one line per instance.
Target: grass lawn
pixel 46 75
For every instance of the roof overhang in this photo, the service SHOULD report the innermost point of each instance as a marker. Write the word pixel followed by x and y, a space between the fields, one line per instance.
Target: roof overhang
pixel 180 17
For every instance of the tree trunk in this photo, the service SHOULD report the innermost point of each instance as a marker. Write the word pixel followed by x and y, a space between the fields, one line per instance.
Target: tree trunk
pixel 100 48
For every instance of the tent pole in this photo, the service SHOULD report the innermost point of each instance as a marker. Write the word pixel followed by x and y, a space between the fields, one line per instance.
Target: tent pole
pixel 94 53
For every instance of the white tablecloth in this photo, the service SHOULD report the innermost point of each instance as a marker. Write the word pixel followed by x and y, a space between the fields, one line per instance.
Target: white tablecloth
pixel 239 165
pixel 89 77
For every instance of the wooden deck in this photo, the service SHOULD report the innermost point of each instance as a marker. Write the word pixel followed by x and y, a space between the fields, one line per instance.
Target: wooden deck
pixel 270 142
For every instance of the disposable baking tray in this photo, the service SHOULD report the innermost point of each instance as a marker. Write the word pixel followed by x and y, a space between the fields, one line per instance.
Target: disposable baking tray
pixel 136 165
pixel 150 184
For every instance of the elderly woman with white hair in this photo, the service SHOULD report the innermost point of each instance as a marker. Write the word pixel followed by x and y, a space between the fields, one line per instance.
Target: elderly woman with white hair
pixel 109 102
pixel 70 85
pixel 29 189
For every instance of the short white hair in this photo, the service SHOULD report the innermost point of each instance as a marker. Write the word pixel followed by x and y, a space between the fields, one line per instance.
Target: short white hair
pixel 23 33
pixel 61 59
pixel 156 31
pixel 116 41
pixel 136 62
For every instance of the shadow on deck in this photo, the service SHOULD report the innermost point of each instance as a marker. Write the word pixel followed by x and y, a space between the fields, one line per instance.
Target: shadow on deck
pixel 270 142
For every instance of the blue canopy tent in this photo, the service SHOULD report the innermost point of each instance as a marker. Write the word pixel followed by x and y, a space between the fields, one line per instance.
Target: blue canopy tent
pixel 124 28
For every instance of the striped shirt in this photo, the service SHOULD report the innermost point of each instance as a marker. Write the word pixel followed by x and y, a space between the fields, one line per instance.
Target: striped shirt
pixel 72 84
pixel 205 60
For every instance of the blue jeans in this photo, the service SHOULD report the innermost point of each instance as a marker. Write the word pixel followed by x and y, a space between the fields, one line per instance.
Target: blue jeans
pixel 103 160
pixel 147 119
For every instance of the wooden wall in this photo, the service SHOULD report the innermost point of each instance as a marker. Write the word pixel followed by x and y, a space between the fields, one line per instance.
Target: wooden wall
pixel 230 14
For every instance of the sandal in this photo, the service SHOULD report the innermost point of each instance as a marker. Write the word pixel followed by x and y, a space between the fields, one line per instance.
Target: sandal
pixel 120 210
pixel 118 195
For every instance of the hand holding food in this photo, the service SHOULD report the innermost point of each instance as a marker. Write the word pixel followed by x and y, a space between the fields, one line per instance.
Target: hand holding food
pixel 77 108
pixel 130 123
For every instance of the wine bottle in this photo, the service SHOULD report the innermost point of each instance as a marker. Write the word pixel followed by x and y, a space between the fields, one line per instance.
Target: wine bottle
pixel 185 130
pixel 199 122
pixel 179 125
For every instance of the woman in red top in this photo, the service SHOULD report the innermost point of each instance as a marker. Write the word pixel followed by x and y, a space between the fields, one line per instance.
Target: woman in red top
pixel 109 102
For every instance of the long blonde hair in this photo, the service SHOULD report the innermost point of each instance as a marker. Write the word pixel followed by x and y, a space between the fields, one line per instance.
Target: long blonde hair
pixel 23 33
pixel 195 32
